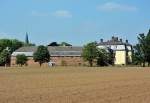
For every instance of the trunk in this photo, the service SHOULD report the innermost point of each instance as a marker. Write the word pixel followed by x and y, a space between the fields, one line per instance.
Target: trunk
pixel 91 63
pixel 148 64
pixel 40 64
pixel 144 64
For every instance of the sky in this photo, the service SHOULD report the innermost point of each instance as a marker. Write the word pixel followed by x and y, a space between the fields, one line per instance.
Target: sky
pixel 74 21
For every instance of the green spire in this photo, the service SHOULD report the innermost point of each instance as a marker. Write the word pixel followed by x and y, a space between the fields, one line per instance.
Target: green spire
pixel 27 39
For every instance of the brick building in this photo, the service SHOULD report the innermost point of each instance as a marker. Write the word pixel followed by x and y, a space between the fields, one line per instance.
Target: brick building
pixel 60 55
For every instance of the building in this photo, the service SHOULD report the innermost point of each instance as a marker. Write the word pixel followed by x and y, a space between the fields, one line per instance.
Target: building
pixel 60 55
pixel 72 56
pixel 122 50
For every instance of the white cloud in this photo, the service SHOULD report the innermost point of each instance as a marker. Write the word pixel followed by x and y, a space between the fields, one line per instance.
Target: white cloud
pixel 10 35
pixel 112 6
pixel 5 35
pixel 39 14
pixel 62 13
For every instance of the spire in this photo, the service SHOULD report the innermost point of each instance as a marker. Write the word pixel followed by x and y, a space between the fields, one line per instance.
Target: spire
pixel 27 39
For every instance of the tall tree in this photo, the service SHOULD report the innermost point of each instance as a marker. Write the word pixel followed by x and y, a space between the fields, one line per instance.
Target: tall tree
pixel 90 53
pixel 41 55
pixel 148 48
pixel 138 57
pixel 142 47
pixel 4 57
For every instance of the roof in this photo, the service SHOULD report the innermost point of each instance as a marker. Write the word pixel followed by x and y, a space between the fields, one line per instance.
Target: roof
pixel 114 41
pixel 53 50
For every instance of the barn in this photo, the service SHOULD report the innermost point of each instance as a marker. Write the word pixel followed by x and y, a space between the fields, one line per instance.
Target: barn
pixel 60 55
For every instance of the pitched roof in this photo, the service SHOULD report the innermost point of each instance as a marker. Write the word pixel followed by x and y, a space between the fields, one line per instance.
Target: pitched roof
pixel 53 50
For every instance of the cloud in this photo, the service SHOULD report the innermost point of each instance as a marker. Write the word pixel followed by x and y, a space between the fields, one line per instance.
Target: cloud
pixel 112 6
pixel 10 35
pixel 39 14
pixel 62 13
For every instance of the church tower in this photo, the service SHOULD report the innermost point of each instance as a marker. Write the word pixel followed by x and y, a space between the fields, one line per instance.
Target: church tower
pixel 26 39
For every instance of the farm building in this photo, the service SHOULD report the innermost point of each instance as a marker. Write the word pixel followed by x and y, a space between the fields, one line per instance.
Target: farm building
pixel 71 55
pixel 60 55
pixel 122 50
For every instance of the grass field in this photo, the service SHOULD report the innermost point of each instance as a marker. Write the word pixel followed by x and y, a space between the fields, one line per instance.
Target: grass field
pixel 75 85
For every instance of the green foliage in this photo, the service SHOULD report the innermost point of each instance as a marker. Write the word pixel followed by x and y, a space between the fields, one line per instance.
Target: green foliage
pixel 90 53
pixel 21 59
pixel 41 55
pixel 142 50
pixel 104 58
pixel 4 57
pixel 11 44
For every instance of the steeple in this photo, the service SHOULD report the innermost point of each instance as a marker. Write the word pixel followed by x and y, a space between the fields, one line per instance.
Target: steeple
pixel 27 39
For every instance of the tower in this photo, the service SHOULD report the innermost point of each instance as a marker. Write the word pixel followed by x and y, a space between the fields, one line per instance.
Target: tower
pixel 27 39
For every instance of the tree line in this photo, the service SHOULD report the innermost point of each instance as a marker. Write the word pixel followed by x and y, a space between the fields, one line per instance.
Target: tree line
pixel 91 53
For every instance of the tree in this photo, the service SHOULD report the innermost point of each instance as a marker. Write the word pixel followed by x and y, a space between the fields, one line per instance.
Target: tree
pixel 104 58
pixel 138 57
pixel 21 59
pixel 142 47
pixel 4 57
pixel 148 48
pixel 90 53
pixel 15 44
pixel 41 55
pixel 142 50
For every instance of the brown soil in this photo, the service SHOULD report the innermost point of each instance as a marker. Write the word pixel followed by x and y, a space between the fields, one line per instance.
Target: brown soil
pixel 75 85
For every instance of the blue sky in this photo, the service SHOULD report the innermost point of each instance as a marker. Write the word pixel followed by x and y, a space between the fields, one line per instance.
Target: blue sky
pixel 75 21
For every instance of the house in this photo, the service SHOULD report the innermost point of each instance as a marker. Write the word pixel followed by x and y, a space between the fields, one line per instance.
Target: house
pixel 122 50
pixel 60 55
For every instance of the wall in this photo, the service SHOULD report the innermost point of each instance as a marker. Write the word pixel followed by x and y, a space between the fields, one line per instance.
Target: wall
pixel 120 58
pixel 67 61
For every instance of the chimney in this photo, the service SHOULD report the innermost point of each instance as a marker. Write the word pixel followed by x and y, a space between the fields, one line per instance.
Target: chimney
pixel 113 37
pixel 120 40
pixel 101 40
pixel 127 41
pixel 116 38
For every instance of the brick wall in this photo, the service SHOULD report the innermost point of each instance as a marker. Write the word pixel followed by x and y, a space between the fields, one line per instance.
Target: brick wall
pixel 68 61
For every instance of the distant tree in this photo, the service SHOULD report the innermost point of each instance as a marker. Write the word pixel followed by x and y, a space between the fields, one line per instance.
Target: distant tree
pixel 53 44
pixel 104 58
pixel 4 43
pixel 90 53
pixel 137 55
pixel 15 44
pixel 4 57
pixel 41 55
pixel 142 48
pixel 148 48
pixel 21 59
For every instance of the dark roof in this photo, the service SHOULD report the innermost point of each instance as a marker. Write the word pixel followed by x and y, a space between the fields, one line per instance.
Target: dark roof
pixel 114 41
pixel 56 50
